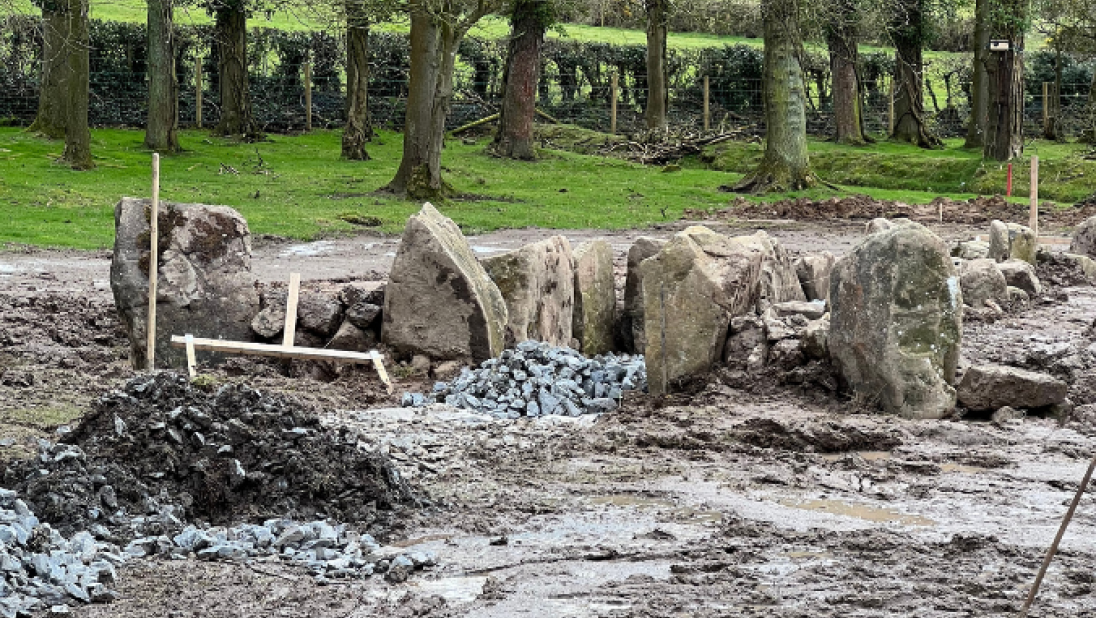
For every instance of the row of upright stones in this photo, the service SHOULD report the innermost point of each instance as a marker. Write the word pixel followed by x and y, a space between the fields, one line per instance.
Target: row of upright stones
pixel 443 302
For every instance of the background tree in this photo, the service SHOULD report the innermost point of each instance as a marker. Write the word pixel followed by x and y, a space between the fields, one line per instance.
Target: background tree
pixel 437 27
pixel 785 165
pixel 230 32
pixel 161 129
pixel 1004 124
pixel 76 86
pixel 358 129
pixel 50 120
pixel 528 21
pixel 658 92
pixel 842 31
pixel 979 87
pixel 908 30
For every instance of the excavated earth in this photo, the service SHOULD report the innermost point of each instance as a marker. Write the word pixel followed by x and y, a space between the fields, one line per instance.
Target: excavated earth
pixel 742 497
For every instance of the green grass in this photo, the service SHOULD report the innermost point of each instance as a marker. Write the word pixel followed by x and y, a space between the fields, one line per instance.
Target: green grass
pixel 302 189
pixel 1065 174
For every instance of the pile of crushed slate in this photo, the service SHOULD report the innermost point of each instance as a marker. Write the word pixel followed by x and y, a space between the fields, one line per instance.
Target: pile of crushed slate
pixel 166 468
pixel 538 379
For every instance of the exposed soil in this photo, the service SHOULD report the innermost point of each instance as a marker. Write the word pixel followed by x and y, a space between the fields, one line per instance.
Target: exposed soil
pixel 743 497
pixel 941 210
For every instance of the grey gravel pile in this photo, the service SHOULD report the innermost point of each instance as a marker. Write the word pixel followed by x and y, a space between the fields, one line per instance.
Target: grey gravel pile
pixel 42 569
pixel 537 379
pixel 327 551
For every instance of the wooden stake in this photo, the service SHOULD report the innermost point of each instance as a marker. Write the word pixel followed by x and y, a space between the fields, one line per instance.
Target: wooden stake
pixel 707 110
pixel 1033 222
pixel 153 262
pixel 613 105
pixel 308 95
pixel 1053 549
pixel 291 310
pixel 890 113
pixel 1046 109
pixel 191 363
pixel 198 91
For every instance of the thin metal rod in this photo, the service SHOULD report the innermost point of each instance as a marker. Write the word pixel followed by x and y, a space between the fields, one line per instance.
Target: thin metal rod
pixel 1058 539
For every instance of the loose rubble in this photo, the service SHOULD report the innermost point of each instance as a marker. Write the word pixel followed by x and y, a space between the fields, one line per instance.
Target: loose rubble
pixel 537 379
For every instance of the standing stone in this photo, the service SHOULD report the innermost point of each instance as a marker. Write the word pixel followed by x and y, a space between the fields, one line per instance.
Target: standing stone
pixel 537 282
pixel 691 290
pixel 779 280
pixel 1020 274
pixel 595 297
pixel 896 322
pixel 439 300
pixel 981 280
pixel 1084 238
pixel 814 275
pixel 632 320
pixel 1012 241
pixel 971 250
pixel 205 286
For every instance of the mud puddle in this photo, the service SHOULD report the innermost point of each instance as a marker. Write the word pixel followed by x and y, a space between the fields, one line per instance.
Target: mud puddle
pixel 859 511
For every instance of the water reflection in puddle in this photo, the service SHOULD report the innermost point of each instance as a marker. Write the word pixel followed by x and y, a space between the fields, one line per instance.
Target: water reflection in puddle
pixel 859 511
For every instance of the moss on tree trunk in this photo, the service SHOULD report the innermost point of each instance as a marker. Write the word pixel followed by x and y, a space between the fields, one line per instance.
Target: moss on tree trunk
pixel 1005 119
pixel 658 95
pixel 161 129
pixel 75 87
pixel 907 30
pixel 358 129
pixel 50 120
pixel 979 87
pixel 841 39
pixel 231 36
pixel 785 165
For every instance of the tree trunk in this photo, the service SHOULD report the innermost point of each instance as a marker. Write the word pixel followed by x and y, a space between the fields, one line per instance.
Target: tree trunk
pixel 979 87
pixel 515 135
pixel 1051 128
pixel 841 38
pixel 1004 141
pixel 75 87
pixel 231 35
pixel 434 45
pixel 161 130
pixel 785 165
pixel 908 33
pixel 50 120
pixel 658 93
pixel 358 128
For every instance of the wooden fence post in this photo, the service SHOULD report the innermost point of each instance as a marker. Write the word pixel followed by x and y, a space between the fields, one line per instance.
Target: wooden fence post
pixel 1033 221
pixel 613 105
pixel 308 95
pixel 890 110
pixel 1046 110
pixel 707 109
pixel 198 91
pixel 153 263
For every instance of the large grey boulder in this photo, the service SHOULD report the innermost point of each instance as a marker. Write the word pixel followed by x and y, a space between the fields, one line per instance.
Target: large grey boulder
pixel 205 286
pixel 814 275
pixel 1020 274
pixel 895 321
pixel 691 290
pixel 981 280
pixel 990 387
pixel 1084 238
pixel 537 282
pixel 876 225
pixel 1012 241
pixel 439 300
pixel 971 250
pixel 779 280
pixel 632 319
pixel 595 297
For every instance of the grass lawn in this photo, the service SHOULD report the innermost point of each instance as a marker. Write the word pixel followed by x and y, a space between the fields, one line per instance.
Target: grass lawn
pixel 1065 175
pixel 297 186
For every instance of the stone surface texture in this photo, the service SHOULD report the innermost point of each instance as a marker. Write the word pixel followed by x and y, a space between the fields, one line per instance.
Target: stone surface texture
pixel 691 290
pixel 982 281
pixel 538 283
pixel 991 387
pixel 895 322
pixel 595 297
pixel 205 285
pixel 814 275
pixel 1084 238
pixel 439 300
pixel 631 322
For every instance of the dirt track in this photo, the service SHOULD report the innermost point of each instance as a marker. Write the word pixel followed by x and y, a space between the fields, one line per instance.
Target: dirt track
pixel 767 501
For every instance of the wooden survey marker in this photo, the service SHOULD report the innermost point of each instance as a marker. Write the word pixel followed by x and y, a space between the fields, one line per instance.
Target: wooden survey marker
pixel 286 349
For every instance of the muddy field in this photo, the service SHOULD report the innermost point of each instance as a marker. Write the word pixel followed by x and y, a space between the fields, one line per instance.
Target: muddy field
pixel 740 498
